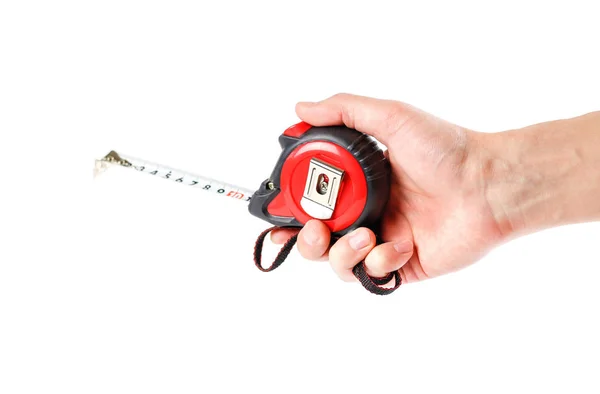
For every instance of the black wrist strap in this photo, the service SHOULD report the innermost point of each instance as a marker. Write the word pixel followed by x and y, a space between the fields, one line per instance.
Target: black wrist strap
pixel 281 256
pixel 372 284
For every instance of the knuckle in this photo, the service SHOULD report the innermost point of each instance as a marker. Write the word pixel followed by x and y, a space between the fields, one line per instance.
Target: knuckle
pixel 395 118
pixel 340 96
pixel 344 274
pixel 304 252
pixel 335 253
pixel 309 252
pixel 348 116
pixel 381 261
pixel 347 278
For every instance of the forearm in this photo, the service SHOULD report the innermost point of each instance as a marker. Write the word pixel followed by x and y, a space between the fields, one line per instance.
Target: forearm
pixel 542 176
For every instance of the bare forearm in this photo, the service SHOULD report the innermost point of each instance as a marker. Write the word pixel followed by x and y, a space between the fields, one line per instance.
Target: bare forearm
pixel 544 175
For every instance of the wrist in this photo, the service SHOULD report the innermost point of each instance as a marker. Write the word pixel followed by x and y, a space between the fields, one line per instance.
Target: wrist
pixel 541 176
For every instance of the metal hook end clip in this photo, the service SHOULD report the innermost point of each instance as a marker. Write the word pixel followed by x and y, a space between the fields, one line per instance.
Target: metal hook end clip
pixel 111 159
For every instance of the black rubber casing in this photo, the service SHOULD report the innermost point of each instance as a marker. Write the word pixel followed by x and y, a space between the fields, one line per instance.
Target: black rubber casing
pixel 367 152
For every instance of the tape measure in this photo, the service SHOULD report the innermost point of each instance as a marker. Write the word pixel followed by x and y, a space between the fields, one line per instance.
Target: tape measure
pixel 335 174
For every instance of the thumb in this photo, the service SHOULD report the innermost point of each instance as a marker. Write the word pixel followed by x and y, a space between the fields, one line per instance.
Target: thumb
pixel 378 118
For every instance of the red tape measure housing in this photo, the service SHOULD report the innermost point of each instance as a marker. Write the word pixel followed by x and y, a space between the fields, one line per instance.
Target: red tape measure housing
pixel 352 195
pixel 361 197
pixel 363 192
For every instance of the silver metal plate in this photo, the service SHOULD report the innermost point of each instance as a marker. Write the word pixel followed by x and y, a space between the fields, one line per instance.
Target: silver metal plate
pixel 322 188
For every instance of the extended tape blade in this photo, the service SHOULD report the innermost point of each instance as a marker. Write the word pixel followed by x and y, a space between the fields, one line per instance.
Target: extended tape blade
pixel 161 171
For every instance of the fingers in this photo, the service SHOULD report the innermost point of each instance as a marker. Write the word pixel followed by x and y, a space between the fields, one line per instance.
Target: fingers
pixel 388 257
pixel 349 251
pixel 313 240
pixel 281 235
pixel 379 118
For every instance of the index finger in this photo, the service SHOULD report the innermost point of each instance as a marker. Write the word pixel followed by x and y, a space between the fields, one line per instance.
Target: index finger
pixel 376 117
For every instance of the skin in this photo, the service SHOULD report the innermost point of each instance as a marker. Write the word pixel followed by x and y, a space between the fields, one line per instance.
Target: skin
pixel 456 193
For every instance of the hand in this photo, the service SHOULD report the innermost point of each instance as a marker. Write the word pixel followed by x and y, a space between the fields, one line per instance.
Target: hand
pixel 438 218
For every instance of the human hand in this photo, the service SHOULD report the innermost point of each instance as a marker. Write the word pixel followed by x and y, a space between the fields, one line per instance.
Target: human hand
pixel 438 218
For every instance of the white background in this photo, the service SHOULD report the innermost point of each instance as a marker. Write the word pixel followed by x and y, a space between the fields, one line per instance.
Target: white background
pixel 136 285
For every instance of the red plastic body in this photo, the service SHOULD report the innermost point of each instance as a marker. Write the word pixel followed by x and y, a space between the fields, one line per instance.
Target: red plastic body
pixel 352 195
pixel 297 130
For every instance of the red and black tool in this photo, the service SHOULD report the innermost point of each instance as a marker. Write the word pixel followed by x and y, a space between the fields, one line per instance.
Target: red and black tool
pixel 335 174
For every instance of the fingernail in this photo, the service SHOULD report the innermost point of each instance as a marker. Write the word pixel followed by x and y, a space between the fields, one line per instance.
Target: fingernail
pixel 311 237
pixel 307 103
pixel 359 239
pixel 403 247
